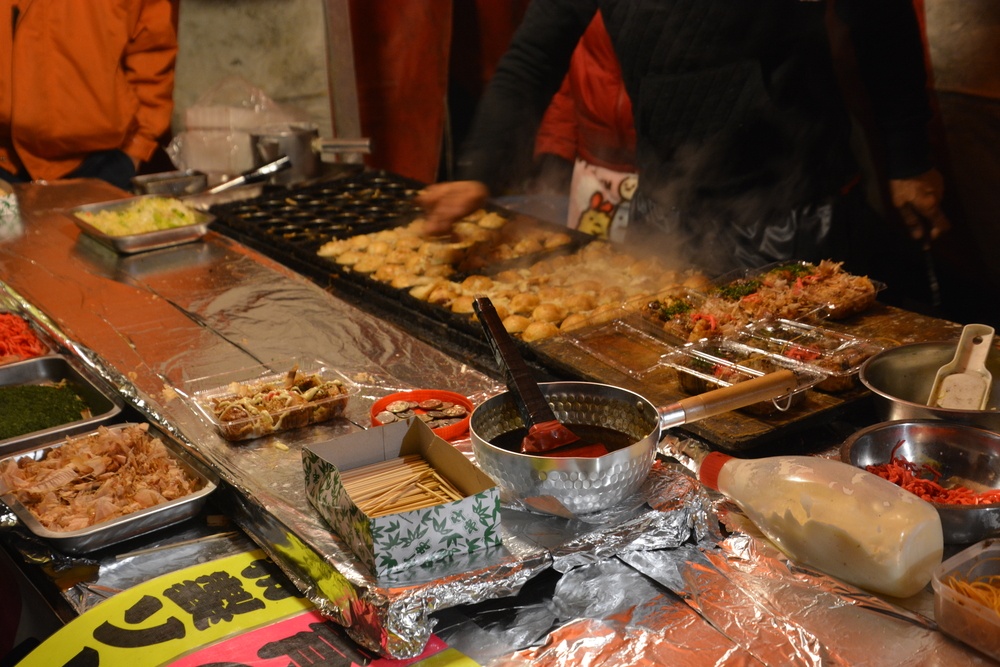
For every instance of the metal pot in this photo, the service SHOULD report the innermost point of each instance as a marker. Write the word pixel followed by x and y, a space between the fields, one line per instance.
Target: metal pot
pixel 294 140
pixel 901 379
pixel 572 486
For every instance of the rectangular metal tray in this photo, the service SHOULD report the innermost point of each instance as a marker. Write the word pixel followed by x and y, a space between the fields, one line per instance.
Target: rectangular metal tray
pixel 125 527
pixel 46 343
pixel 134 243
pixel 105 405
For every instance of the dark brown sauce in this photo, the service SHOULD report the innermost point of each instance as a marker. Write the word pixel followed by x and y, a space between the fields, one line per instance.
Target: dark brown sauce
pixel 610 438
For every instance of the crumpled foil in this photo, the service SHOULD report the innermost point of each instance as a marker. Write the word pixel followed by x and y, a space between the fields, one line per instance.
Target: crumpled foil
pixel 652 581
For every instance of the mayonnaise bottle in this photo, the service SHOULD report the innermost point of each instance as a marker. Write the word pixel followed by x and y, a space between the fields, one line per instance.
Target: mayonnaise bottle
pixel 839 519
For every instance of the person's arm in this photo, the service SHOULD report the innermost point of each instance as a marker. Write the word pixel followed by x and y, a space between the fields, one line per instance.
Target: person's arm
pixel 499 148
pixel 148 62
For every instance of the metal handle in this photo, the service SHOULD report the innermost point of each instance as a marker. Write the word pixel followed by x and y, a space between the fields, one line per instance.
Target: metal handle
pixel 517 375
pixel 343 145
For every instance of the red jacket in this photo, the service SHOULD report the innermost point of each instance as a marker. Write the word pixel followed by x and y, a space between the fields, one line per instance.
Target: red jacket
pixel 591 115
pixel 78 76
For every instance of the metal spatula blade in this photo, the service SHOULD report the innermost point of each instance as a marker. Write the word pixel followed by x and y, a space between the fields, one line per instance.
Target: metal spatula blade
pixel 964 383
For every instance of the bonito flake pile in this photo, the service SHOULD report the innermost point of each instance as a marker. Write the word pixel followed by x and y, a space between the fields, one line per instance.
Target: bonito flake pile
pixel 96 478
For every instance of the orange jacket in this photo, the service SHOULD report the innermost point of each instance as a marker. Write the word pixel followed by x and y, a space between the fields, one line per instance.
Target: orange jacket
pixel 591 115
pixel 78 76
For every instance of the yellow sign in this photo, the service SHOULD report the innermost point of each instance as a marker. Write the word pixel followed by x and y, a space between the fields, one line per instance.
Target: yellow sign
pixel 158 621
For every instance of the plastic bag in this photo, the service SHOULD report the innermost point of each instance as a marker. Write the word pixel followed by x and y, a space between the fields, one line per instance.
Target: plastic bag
pixel 217 128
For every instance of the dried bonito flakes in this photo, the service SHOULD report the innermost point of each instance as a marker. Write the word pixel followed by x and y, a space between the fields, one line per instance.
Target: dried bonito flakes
pixel 91 479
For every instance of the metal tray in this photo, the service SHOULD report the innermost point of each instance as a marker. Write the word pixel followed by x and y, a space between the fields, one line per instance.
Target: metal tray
pixel 125 527
pixel 104 404
pixel 134 243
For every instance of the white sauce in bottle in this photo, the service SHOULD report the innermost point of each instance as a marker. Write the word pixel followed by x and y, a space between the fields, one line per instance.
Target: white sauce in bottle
pixel 835 517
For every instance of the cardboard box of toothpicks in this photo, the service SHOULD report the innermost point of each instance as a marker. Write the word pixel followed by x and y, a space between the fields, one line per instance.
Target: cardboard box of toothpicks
pixel 400 496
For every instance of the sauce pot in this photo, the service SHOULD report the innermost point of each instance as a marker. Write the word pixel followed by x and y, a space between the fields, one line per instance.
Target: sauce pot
pixel 571 486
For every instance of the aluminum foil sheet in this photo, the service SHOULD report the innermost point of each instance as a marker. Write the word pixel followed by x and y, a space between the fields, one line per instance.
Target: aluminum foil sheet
pixel 652 581
pixel 152 323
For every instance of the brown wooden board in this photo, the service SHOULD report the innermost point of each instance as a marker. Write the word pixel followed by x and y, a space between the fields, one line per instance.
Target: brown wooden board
pixel 736 431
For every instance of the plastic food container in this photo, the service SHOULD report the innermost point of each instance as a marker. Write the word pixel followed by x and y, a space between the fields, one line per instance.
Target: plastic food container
pixel 430 406
pixel 957 614
pixel 131 525
pixel 133 243
pixel 838 355
pixel 266 399
pixel 709 365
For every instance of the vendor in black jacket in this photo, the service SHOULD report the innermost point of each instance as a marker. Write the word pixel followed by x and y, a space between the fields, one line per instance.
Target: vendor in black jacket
pixel 743 133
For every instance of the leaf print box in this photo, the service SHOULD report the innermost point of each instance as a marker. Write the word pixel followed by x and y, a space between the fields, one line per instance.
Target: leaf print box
pixel 392 542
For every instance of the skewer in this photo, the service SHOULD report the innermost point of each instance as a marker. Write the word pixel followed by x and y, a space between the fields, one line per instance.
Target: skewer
pixel 397 485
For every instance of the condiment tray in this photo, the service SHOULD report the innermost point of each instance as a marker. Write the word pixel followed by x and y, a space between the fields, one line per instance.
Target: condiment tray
pixel 105 405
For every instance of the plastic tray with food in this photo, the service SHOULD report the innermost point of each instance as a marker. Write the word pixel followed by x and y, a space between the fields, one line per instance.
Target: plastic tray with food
pixel 837 354
pixel 135 480
pixel 966 594
pixel 142 223
pixel 19 340
pixel 708 365
pixel 261 400
pixel 48 397
pixel 798 290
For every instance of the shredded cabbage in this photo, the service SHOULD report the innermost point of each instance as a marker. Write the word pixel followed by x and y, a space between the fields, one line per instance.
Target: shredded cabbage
pixel 149 214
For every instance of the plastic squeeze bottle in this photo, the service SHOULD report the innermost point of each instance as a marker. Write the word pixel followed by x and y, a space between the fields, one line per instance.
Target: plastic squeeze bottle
pixel 839 519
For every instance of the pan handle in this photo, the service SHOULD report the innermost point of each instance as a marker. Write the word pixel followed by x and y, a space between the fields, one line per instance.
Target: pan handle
pixel 729 398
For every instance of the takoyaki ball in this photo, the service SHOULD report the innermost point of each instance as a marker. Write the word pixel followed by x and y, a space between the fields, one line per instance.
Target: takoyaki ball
pixel 613 294
pixel 439 270
pixel 574 321
pixel 605 313
pixel 443 294
pixel 423 290
pixel 368 264
pixel 462 304
pixel 515 324
pixel 556 240
pixel 548 312
pixel 491 220
pixel 524 302
pixel 551 294
pixel 333 248
pixel 511 276
pixel 350 258
pixel 538 331
pixel 580 303
pixel 477 283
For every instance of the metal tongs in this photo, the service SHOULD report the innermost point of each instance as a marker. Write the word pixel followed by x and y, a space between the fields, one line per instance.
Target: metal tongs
pixel 256 175
pixel 964 383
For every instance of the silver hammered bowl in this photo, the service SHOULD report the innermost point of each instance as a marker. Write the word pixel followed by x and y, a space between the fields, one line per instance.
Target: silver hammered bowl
pixel 963 454
pixel 569 486
pixel 901 380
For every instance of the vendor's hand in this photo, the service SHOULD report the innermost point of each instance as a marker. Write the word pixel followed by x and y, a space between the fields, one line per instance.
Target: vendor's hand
pixel 918 201
pixel 445 203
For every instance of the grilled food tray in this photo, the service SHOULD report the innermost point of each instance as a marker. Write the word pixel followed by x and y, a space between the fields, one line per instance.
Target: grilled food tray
pixel 105 405
pixel 125 527
pixel 135 243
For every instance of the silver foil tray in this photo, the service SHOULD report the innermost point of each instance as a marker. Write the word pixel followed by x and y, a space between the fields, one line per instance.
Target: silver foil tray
pixel 105 405
pixel 133 243
pixel 131 525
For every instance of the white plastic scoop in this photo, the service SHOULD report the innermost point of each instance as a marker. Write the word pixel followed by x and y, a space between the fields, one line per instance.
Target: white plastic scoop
pixel 964 383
